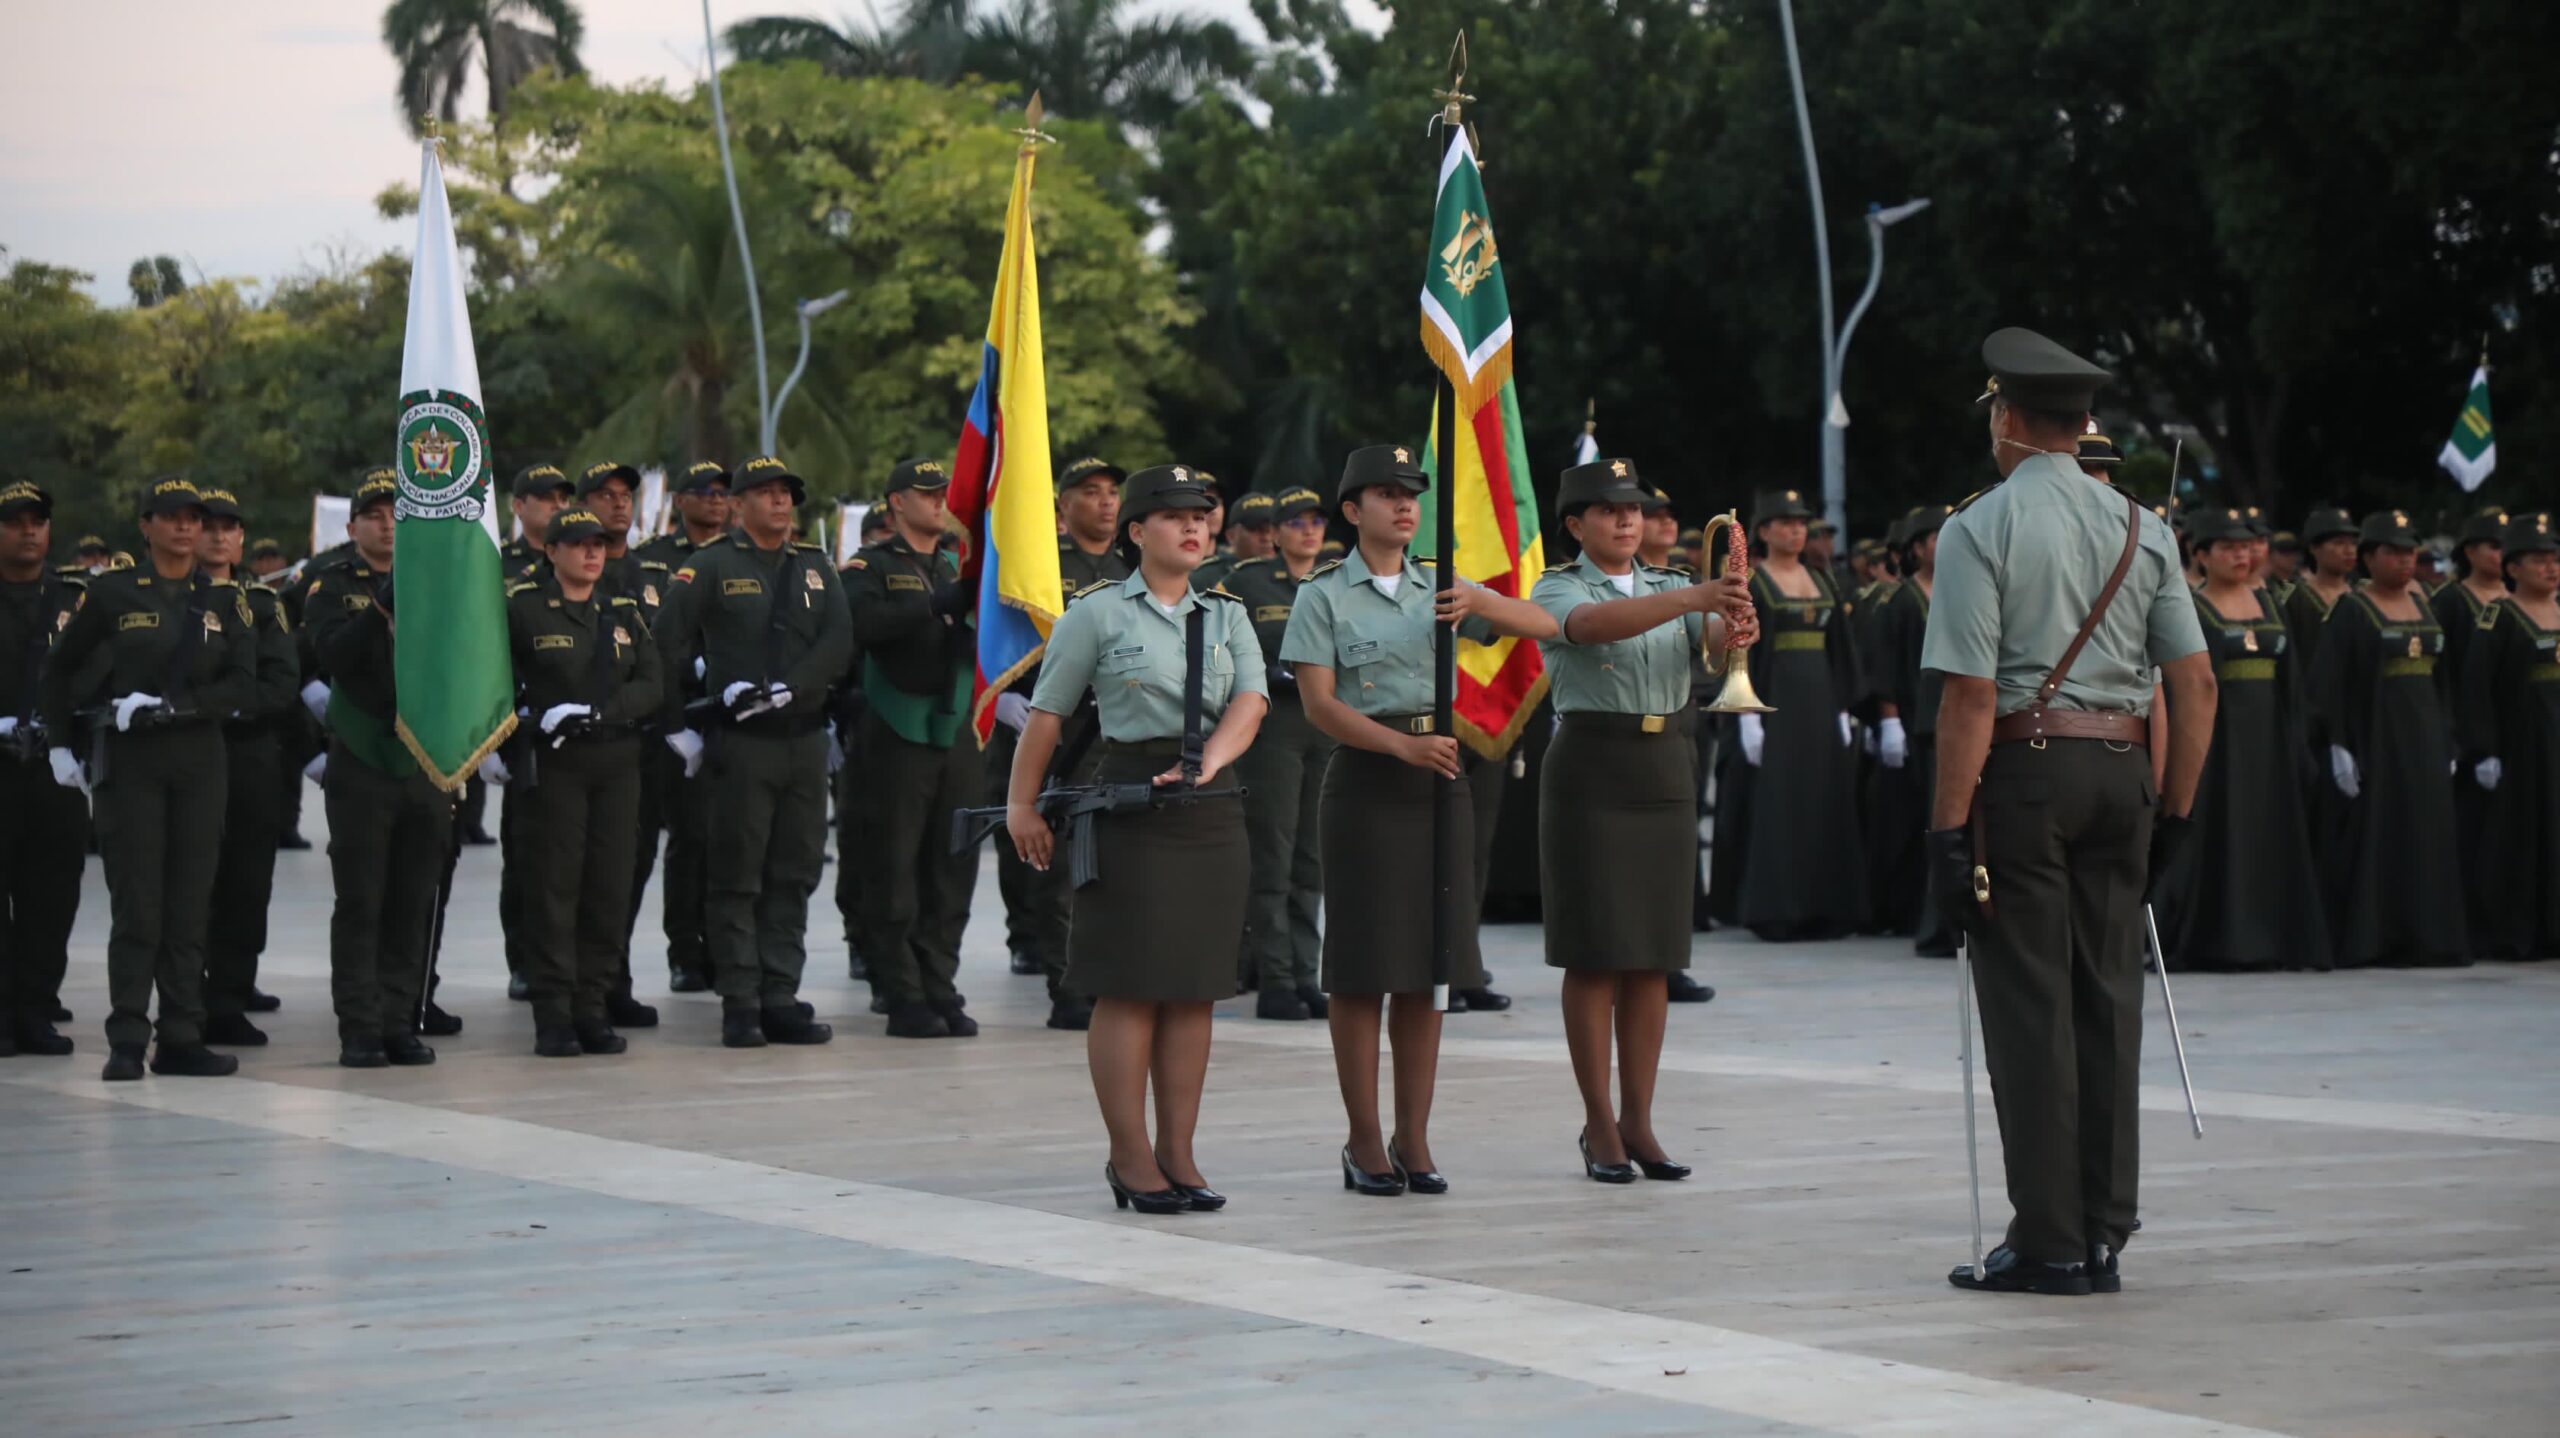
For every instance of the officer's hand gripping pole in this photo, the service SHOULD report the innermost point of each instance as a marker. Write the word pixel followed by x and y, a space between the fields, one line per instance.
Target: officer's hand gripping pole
pixel 1964 1031
pixel 2177 1041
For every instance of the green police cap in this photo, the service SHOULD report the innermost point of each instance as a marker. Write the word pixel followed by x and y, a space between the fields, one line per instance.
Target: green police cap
pixel 1656 501
pixel 703 474
pixel 1377 464
pixel 1165 486
pixel 2096 448
pixel 1604 481
pixel 1925 519
pixel 2530 534
pixel 571 525
pixel 2213 523
pixel 2285 541
pixel 593 477
pixel 917 474
pixel 266 549
pixel 767 469
pixel 92 544
pixel 1894 537
pixel 22 495
pixel 536 480
pixel 2326 521
pixel 1772 504
pixel 2488 524
pixel 2388 526
pixel 171 493
pixel 1077 471
pixel 1295 502
pixel 221 504
pixel 381 485
pixel 1256 511
pixel 2028 369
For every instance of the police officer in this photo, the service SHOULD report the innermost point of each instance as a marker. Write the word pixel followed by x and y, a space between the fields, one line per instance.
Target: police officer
pixel 1283 776
pixel 2057 601
pixel 608 490
pixel 245 877
pixel 390 827
pixel 768 622
pixel 1907 732
pixel 178 660
pixel 912 619
pixel 702 512
pixel 1251 534
pixel 539 492
pixel 587 681
pixel 44 826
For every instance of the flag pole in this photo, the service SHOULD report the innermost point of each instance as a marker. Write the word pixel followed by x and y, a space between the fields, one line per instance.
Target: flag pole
pixel 1445 859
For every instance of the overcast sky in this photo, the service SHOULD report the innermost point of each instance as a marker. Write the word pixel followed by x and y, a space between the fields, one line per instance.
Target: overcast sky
pixel 248 138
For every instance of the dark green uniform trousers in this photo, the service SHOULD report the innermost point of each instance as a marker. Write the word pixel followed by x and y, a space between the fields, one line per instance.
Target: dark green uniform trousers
pixel 849 845
pixel 576 832
pixel 765 799
pixel 683 878
pixel 516 927
pixel 1036 903
pixel 2058 973
pixel 44 839
pixel 649 815
pixel 1283 777
pixel 915 891
pixel 388 837
pixel 245 877
pixel 160 833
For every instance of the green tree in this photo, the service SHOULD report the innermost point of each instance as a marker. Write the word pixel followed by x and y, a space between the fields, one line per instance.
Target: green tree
pixel 61 370
pixel 438 41
pixel 154 279
pixel 1086 59
pixel 927 40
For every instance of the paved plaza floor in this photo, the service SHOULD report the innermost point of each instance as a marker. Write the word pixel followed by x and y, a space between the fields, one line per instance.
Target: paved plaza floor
pixel 912 1238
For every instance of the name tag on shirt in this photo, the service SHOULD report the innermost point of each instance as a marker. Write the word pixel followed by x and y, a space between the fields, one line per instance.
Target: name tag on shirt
pixel 1364 650
pixel 742 586
pixel 554 641
pixel 145 619
pixel 907 581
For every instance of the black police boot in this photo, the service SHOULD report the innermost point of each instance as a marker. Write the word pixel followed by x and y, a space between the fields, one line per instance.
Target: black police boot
pixel 2103 1274
pixel 597 1037
pixel 688 981
pixel 1025 962
pixel 955 1016
pixel 854 966
pixel 1280 1004
pixel 1478 1000
pixel 61 1015
pixel 2006 1270
pixel 191 1061
pixel 556 1041
pixel 1686 990
pixel 8 1042
pixel 917 1021
pixel 406 1052
pixel 792 1024
pixel 624 1011
pixel 124 1061
pixel 519 988
pixel 741 1029
pixel 37 1038
pixel 1070 1012
pixel 1314 999
pixel 262 1002
pixel 880 1003
pixel 291 842
pixel 363 1053
pixel 435 1023
pixel 233 1031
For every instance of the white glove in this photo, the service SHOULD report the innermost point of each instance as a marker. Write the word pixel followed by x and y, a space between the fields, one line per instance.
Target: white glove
pixel 1752 739
pixel 2489 771
pixel 494 769
pixel 697 666
pixel 133 704
pixel 688 747
pixel 2342 770
pixel 1892 745
pixel 8 725
pixel 557 715
pixel 315 697
pixel 66 769
pixel 729 696
pixel 1013 711
pixel 835 752
pixel 777 696
pixel 317 771
pixel 1845 739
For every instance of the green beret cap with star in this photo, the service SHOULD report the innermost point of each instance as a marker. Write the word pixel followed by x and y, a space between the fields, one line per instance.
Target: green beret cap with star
pixel 1377 464
pixel 1603 481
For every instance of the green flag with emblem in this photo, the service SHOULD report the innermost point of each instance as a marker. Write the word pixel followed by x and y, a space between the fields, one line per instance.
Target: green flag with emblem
pixel 2473 450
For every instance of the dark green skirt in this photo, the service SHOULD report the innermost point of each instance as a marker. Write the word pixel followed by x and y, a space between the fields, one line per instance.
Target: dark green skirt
pixel 1618 844
pixel 1162 922
pixel 1377 877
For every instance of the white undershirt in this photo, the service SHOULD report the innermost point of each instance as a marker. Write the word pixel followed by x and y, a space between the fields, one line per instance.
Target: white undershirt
pixel 1387 583
pixel 1624 583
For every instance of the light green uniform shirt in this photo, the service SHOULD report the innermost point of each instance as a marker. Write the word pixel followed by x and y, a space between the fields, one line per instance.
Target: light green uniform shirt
pixel 1648 674
pixel 1129 650
pixel 1378 648
pixel 2020 567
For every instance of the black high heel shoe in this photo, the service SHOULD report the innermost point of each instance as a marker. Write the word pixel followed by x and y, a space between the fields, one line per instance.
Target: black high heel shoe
pixel 1198 1197
pixel 1663 1168
pixel 1161 1200
pixel 1604 1172
pixel 1375 1185
pixel 1429 1180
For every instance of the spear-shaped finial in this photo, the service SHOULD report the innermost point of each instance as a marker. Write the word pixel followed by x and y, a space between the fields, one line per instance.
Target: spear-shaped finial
pixel 1454 99
pixel 434 135
pixel 1591 416
pixel 1031 133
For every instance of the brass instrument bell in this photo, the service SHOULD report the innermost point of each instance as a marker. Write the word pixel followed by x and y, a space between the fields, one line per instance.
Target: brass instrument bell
pixel 1737 696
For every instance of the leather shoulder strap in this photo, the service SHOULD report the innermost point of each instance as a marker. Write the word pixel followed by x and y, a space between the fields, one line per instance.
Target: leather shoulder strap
pixel 2052 684
pixel 1194 653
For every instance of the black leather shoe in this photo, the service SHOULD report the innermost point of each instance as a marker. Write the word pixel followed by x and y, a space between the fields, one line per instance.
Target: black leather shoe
pixel 687 981
pixel 1161 1200
pixel 291 842
pixel 124 1062
pixel 1317 1005
pixel 233 1031
pixel 1362 1181
pixel 362 1054
pixel 519 988
pixel 854 966
pixel 597 1038
pixel 626 1012
pixel 793 1025
pixel 1663 1170
pixel 741 1029
pixel 1199 1198
pixel 1604 1172
pixel 1280 1004
pixel 262 1002
pixel 191 1061
pixel 956 1018
pixel 406 1052
pixel 435 1023
pixel 1686 990
pixel 1429 1180
pixel 1479 1001
pixel 880 1005
pixel 2006 1270
pixel 61 1015
pixel 1025 962
pixel 556 1043
pixel 917 1021
pixel 477 838
pixel 2103 1274
pixel 1071 1013
pixel 36 1038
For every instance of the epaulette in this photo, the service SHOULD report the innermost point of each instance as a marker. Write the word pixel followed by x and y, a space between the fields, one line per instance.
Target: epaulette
pixel 1090 588
pixel 1244 564
pixel 1426 561
pixel 73 575
pixel 1970 498
pixel 1675 570
pixel 515 589
pixel 1220 591
pixel 1321 570
pixel 626 600
pixel 857 562
pixel 814 548
pixel 224 583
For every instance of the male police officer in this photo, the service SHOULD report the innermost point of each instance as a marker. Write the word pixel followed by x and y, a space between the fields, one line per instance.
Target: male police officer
pixel 768 621
pixel 2056 599
pixel 244 877
pixel 44 826
pixel 702 514
pixel 540 491
pixel 608 489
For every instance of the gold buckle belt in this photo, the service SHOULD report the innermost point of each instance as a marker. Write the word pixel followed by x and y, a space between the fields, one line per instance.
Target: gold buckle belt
pixel 1609 721
pixel 1407 723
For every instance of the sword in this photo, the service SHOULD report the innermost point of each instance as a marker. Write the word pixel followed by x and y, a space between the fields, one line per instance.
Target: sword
pixel 1964 1027
pixel 2160 965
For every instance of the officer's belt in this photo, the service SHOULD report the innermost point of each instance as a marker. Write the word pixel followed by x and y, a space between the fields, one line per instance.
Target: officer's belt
pixel 779 726
pixel 1606 722
pixel 1406 723
pixel 2036 724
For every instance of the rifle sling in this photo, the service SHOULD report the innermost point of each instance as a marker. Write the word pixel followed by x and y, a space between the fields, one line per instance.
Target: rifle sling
pixel 179 683
pixel 1193 664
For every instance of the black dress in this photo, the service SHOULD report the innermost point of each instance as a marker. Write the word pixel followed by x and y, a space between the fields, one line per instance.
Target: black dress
pixel 2245 894
pixel 2378 692
pixel 1898 809
pixel 2511 710
pixel 2458 611
pixel 1803 870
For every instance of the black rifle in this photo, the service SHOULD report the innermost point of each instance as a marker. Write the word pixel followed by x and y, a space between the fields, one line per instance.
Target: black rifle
pixel 100 722
pixel 25 743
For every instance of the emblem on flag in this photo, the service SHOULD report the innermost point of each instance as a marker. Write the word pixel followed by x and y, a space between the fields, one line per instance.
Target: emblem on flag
pixel 443 453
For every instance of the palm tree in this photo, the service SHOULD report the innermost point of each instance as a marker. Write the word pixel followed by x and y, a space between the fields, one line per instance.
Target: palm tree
pixel 925 42
pixel 436 42
pixel 1085 62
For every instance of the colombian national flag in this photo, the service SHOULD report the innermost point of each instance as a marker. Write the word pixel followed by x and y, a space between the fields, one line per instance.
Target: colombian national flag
pixel 1000 486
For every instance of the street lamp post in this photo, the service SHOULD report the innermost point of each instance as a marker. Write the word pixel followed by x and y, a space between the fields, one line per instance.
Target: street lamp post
pixel 807 310
pixel 738 216
pixel 1835 414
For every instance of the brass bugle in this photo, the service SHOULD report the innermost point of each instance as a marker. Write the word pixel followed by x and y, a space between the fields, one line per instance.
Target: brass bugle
pixel 1736 696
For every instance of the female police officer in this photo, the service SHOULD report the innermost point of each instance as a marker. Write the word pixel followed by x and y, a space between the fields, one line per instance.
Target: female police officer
pixel 1153 940
pixel 1360 641
pixel 179 659
pixel 587 676
pixel 1617 816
